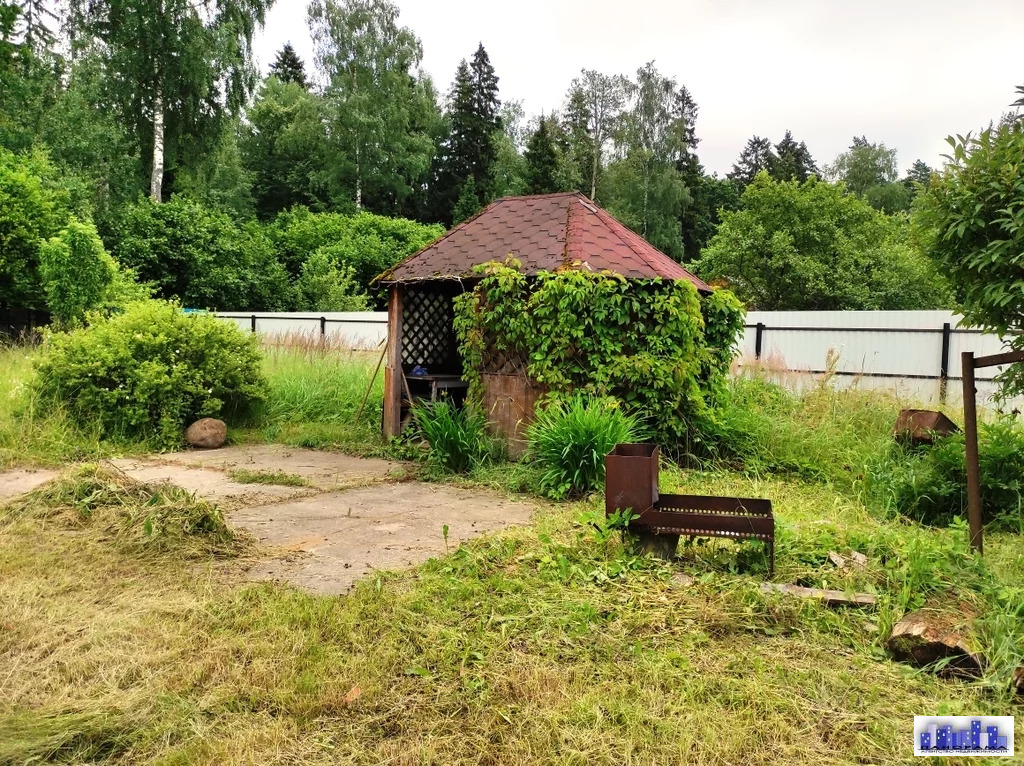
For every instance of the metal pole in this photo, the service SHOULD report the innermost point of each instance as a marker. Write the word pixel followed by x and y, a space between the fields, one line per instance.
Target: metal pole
pixel 253 320
pixel 947 331
pixel 759 335
pixel 323 326
pixel 971 441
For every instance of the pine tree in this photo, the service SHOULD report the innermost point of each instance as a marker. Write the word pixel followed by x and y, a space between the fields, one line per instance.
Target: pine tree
pixel 541 161
pixel 579 146
pixel 756 156
pixel 791 161
pixel 468 204
pixel 288 67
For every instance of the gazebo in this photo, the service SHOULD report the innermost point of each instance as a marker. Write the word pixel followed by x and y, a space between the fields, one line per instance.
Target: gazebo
pixel 545 233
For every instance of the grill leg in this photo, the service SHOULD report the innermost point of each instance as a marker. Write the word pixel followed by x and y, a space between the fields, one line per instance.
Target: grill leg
pixel 771 562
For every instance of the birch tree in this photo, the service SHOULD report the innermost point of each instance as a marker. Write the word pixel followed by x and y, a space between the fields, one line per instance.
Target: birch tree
pixel 374 95
pixel 176 69
pixel 601 97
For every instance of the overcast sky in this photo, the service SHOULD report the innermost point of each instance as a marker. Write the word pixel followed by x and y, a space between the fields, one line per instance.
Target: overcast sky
pixel 906 72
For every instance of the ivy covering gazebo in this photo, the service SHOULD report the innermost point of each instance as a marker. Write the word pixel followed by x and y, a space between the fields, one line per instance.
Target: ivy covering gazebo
pixel 543 234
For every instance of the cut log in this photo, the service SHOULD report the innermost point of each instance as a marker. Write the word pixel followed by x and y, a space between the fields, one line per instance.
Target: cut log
pixel 830 597
pixel 925 636
pixel 1018 680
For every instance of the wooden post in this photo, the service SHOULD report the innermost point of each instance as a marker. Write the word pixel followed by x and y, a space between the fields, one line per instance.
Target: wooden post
pixel 971 440
pixel 393 371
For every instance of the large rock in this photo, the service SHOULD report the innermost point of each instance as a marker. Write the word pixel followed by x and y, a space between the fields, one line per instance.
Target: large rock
pixel 925 636
pixel 208 433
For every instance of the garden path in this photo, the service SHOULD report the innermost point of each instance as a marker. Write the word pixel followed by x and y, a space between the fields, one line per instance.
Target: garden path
pixel 352 517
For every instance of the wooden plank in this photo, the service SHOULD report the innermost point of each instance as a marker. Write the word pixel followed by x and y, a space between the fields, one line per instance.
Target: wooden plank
pixel 1010 357
pixel 830 597
pixel 393 374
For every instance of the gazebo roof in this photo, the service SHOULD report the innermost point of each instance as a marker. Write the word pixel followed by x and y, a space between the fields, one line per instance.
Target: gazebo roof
pixel 544 232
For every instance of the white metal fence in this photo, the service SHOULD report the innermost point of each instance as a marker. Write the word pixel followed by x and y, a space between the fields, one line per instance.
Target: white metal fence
pixel 348 329
pixel 916 352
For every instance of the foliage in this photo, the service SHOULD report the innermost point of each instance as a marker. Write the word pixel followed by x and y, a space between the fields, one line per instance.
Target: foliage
pixel 151 371
pixel 327 286
pixel 31 211
pixel 76 272
pixel 930 485
pixel 469 149
pixel 791 161
pixel 642 342
pixel 199 256
pixel 869 170
pixel 173 91
pixel 457 435
pixel 570 439
pixel 381 151
pixel 970 223
pixel 542 161
pixel 809 246
pixel 468 204
pixel 367 243
pixel 285 148
pixel 757 156
pixel 288 67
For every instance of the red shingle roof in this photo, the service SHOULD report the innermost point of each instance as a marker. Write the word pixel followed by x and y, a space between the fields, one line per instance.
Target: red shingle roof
pixel 545 232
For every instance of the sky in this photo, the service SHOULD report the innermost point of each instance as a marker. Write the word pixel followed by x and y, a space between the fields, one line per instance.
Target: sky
pixel 904 72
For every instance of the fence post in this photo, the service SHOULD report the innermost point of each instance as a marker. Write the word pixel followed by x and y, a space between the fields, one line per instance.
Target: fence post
pixel 323 326
pixel 971 441
pixel 253 319
pixel 947 332
pixel 758 337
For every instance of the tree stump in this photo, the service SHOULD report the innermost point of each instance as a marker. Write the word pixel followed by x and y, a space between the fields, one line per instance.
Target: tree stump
pixel 925 636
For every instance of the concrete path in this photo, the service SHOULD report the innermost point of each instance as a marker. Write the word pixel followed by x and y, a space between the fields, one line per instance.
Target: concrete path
pixel 354 516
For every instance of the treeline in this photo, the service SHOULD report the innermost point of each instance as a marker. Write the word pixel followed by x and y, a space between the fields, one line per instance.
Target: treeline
pixel 150 121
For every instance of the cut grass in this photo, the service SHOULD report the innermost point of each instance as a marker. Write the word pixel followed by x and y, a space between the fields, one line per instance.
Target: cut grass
pixel 537 645
pixel 279 478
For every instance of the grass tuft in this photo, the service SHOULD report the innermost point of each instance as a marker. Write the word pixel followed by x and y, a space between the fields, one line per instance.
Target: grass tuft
pixel 278 478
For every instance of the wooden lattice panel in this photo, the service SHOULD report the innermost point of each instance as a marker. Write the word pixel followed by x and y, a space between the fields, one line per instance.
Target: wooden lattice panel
pixel 497 361
pixel 428 334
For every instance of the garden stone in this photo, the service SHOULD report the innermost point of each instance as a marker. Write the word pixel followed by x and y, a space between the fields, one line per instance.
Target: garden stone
pixel 925 636
pixel 208 433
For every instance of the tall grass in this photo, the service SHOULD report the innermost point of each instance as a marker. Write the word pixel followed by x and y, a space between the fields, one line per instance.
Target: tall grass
pixel 27 436
pixel 315 396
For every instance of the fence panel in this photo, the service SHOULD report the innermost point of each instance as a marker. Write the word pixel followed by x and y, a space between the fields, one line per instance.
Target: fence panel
pixel 348 329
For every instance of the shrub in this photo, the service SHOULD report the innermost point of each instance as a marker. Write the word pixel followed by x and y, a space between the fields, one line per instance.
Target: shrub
pixel 31 211
pixel 326 286
pixel 199 256
pixel 931 485
pixel 150 371
pixel 457 435
pixel 570 439
pixel 76 272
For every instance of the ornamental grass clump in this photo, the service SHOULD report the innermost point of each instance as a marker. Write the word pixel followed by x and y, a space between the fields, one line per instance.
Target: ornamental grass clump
pixel 457 435
pixel 147 373
pixel 570 439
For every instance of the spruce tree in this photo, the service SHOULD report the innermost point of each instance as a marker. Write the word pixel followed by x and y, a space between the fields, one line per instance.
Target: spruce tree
pixel 469 150
pixel 791 161
pixel 756 156
pixel 288 67
pixel 541 162
pixel 468 204
pixel 575 127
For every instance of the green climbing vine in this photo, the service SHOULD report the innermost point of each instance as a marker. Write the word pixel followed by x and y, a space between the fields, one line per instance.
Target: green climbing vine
pixel 655 345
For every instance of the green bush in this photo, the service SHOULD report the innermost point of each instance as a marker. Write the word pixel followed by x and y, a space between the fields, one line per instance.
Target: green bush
pixel 147 373
pixel 570 439
pixel 76 272
pixel 930 485
pixel 457 435
pixel 31 211
pixel 198 255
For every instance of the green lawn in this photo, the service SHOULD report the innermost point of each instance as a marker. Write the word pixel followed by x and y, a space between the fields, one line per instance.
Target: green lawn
pixel 547 644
